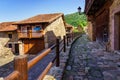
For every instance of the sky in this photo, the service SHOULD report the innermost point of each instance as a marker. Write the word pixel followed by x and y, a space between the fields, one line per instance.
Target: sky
pixel 15 10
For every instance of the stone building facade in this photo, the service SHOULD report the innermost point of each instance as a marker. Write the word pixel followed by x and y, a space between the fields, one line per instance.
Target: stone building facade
pixel 98 17
pixel 9 37
pixel 104 22
pixel 54 30
pixel 10 40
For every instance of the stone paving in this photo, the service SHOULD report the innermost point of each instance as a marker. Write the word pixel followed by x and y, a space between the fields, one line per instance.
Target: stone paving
pixel 89 61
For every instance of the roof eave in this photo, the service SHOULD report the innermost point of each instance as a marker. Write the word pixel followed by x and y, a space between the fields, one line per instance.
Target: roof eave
pixel 29 23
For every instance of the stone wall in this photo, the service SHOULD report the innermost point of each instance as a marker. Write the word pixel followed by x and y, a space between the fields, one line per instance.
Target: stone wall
pixel 114 25
pixel 3 42
pixel 3 38
pixel 92 27
pixel 4 51
pixel 54 30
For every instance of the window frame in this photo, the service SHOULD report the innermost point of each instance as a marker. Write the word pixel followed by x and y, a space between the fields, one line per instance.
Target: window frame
pixel 37 30
pixel 10 36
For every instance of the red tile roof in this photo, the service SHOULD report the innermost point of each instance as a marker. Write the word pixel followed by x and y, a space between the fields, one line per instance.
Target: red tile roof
pixel 42 18
pixel 7 26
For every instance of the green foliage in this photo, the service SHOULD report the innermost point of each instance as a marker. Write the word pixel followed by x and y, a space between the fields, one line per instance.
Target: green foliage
pixel 76 20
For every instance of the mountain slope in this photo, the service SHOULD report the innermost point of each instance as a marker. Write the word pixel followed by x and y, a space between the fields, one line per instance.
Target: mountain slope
pixel 76 20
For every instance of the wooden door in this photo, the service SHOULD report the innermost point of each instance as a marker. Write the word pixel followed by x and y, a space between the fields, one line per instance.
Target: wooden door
pixel 33 46
pixel 26 46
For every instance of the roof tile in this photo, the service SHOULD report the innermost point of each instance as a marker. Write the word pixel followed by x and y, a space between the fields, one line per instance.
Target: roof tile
pixel 42 18
pixel 7 26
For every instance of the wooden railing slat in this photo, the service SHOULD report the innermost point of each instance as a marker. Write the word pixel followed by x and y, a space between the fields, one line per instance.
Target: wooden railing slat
pixel 64 41
pixel 13 76
pixel 45 71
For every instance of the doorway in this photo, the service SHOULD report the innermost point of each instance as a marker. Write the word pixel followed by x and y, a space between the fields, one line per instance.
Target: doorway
pixel 117 31
pixel 17 49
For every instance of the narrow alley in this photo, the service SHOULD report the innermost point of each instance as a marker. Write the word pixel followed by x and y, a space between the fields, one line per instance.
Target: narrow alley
pixel 89 61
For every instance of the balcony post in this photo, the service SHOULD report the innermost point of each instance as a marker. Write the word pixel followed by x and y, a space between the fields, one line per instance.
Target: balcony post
pixel 64 44
pixel 30 34
pixel 67 41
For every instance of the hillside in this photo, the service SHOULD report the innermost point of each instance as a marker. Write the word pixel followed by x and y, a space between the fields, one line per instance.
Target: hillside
pixel 76 20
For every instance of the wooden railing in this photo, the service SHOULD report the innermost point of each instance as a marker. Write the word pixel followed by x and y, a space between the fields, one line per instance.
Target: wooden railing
pixel 22 65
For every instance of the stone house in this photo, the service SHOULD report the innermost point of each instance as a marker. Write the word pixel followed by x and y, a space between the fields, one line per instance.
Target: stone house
pixel 104 22
pixel 8 36
pixel 69 28
pixel 39 32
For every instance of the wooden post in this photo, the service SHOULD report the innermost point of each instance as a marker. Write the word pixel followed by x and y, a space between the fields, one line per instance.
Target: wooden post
pixel 30 33
pixel 64 44
pixel 67 41
pixel 57 53
pixel 69 37
pixel 20 65
pixel 19 33
pixel 72 36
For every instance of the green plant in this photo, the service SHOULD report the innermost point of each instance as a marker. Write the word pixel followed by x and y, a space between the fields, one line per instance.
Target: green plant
pixel 76 20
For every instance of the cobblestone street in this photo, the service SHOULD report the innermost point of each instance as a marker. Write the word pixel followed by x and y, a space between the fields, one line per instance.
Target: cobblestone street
pixel 89 61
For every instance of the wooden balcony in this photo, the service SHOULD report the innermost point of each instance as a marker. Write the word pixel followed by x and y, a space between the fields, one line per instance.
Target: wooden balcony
pixel 92 6
pixel 88 5
pixel 30 34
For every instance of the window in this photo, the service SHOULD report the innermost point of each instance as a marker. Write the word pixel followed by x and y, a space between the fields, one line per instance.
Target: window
pixel 10 45
pixel 10 35
pixel 23 29
pixel 37 28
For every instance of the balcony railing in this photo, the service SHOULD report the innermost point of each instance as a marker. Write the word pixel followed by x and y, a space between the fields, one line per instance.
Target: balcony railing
pixel 22 35
pixel 30 34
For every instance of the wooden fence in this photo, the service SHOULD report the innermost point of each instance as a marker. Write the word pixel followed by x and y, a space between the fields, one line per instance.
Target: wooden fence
pixel 21 65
